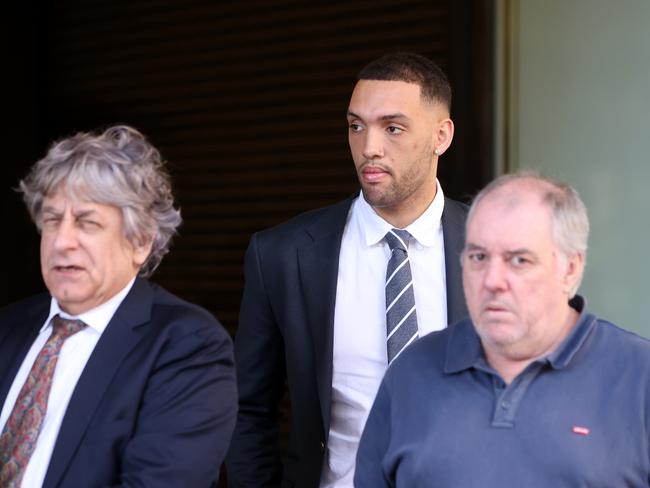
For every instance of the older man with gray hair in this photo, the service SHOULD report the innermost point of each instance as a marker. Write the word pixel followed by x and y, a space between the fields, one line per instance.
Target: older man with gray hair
pixel 109 380
pixel 533 390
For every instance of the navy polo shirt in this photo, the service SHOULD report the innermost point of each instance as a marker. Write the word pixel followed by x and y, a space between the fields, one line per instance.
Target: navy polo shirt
pixel 579 417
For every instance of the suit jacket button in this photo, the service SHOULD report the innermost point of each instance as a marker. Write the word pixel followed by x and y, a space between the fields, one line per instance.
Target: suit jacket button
pixel 322 447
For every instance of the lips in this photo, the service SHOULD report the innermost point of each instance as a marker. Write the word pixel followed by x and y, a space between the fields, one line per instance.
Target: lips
pixel 494 307
pixel 373 174
pixel 67 269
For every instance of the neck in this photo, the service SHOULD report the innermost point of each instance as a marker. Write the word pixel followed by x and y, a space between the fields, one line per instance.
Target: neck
pixel 403 215
pixel 510 360
pixel 508 369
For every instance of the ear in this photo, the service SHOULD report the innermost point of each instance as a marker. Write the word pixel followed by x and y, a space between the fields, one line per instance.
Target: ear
pixel 141 250
pixel 575 266
pixel 443 135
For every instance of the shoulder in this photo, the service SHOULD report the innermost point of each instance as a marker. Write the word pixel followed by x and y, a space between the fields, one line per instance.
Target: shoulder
pixel 20 319
pixel 174 317
pixel 456 206
pixel 455 211
pixel 619 355
pixel 620 361
pixel 31 307
pixel 311 223
pixel 620 342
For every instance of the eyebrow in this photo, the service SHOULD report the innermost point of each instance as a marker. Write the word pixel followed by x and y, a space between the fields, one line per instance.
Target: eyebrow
pixel 394 116
pixel 473 247
pixel 49 208
pixel 80 214
pixel 520 251
pixel 512 252
pixel 84 213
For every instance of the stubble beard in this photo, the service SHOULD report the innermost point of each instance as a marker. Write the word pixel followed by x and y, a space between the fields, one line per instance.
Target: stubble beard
pixel 396 192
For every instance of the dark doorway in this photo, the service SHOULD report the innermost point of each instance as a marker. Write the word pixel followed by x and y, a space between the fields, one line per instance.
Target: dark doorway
pixel 247 102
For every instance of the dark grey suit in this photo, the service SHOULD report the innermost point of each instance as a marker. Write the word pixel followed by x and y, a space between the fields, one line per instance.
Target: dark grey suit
pixel 286 333
pixel 156 402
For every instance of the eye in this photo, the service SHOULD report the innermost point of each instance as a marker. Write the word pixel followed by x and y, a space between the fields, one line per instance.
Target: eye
pixel 355 127
pixel 50 221
pixel 394 130
pixel 89 225
pixel 519 261
pixel 476 257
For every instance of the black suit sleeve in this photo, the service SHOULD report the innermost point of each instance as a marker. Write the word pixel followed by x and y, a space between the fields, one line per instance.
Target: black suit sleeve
pixel 187 413
pixel 254 457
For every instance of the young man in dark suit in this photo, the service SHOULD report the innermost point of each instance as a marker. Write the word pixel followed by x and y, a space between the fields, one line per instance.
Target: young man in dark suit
pixel 334 295
pixel 109 380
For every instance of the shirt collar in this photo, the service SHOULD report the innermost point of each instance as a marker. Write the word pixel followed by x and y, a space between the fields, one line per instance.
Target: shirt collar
pixel 424 229
pixel 464 350
pixel 96 318
pixel 572 343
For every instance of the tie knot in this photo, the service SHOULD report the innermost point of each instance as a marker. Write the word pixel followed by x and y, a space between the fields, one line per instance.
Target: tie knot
pixel 64 328
pixel 398 239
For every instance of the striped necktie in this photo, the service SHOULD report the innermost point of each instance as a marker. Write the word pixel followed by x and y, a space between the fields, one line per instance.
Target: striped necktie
pixel 20 433
pixel 401 319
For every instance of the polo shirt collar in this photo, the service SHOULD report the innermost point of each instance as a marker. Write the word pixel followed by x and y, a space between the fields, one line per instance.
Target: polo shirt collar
pixel 562 356
pixel 424 229
pixel 464 350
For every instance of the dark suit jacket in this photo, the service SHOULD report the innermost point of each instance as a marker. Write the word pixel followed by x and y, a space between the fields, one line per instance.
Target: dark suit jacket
pixel 286 332
pixel 155 405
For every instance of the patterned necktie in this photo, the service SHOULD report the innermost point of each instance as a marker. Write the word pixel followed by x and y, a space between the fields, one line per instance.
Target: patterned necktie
pixel 401 320
pixel 20 433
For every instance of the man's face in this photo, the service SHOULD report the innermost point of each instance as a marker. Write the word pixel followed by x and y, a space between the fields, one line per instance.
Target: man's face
pixel 392 134
pixel 85 258
pixel 515 278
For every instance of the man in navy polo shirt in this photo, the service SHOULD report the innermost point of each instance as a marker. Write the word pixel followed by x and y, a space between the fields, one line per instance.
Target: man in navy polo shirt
pixel 533 391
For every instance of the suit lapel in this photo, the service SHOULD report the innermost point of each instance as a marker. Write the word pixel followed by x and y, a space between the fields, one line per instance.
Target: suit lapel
pixel 120 336
pixel 453 230
pixel 318 263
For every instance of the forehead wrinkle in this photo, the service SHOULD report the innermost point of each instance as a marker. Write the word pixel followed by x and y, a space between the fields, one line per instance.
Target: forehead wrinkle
pixel 84 212
pixel 500 206
pixel 509 200
pixel 78 206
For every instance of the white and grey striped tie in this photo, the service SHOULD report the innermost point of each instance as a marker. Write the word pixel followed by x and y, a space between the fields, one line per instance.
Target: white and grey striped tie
pixel 401 319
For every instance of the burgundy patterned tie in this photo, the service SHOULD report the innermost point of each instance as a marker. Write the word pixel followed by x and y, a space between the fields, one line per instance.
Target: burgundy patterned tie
pixel 20 433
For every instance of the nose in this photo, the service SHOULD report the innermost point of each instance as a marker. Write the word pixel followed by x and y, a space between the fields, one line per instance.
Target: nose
pixel 495 277
pixel 373 147
pixel 66 235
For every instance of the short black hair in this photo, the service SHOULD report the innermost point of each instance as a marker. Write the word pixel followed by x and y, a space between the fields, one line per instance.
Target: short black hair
pixel 411 68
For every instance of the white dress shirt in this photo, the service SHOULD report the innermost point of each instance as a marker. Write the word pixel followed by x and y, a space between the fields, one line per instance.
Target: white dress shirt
pixel 72 360
pixel 360 356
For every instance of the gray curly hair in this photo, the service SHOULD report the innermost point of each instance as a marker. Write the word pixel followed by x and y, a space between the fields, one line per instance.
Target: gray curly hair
pixel 118 167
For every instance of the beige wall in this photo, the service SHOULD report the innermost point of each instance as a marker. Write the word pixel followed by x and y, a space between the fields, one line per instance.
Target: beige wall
pixel 574 103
